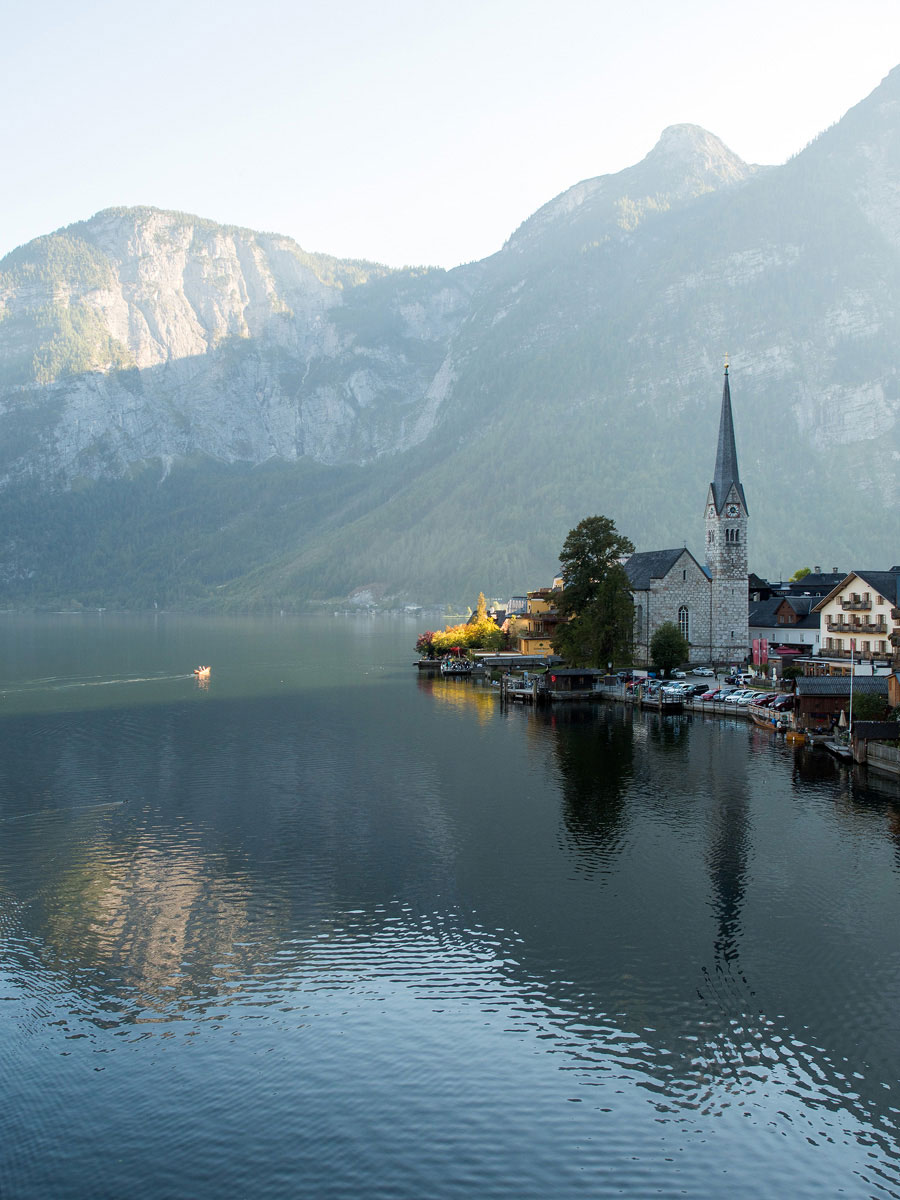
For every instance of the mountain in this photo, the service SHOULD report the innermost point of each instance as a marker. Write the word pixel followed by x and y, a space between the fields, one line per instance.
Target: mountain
pixel 200 415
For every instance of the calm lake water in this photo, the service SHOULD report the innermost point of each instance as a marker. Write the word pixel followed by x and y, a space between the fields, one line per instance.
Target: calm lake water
pixel 325 929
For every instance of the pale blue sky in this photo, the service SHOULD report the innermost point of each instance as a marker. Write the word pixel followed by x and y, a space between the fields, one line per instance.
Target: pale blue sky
pixel 401 131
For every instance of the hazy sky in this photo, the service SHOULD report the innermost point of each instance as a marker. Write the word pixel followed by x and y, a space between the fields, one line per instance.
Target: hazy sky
pixel 405 132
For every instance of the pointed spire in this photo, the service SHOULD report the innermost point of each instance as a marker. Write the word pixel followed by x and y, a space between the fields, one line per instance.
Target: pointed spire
pixel 726 474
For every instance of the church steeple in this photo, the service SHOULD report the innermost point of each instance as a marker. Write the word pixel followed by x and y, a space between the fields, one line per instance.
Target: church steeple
pixel 726 546
pixel 726 474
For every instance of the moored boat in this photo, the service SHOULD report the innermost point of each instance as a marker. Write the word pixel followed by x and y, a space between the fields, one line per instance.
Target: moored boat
pixel 772 712
pixel 765 717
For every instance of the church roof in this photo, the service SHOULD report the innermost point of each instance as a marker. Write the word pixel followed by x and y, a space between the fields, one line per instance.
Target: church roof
pixel 654 564
pixel 726 475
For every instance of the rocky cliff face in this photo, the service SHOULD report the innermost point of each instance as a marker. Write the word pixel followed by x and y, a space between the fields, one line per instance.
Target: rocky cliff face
pixel 143 334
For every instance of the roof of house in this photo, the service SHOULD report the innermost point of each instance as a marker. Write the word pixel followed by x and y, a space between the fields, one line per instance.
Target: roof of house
pixel 647 565
pixel 876 731
pixel 764 612
pixel 839 685
pixel 802 605
pixel 818 583
pixel 884 583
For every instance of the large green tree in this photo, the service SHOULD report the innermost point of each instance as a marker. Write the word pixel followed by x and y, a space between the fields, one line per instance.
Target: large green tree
pixel 596 596
pixel 668 647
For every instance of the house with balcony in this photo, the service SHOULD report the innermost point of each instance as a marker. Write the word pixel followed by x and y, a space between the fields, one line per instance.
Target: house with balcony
pixel 860 623
pixel 534 629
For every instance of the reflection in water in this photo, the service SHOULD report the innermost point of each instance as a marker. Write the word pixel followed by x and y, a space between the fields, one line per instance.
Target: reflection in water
pixel 462 694
pixel 593 751
pixel 294 942
pixel 728 850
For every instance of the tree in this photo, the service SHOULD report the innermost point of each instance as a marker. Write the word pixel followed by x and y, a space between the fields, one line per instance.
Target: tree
pixel 800 573
pixel 480 632
pixel 792 672
pixel 867 707
pixel 668 647
pixel 596 596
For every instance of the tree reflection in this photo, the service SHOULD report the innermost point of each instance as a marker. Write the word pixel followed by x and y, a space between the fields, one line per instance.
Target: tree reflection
pixel 594 753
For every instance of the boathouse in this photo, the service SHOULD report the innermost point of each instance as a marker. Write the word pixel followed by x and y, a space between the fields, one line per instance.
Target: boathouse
pixel 822 698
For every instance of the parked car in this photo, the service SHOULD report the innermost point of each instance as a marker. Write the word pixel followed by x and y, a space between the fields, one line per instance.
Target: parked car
pixel 704 671
pixel 740 696
pixel 712 694
pixel 696 689
pixel 678 675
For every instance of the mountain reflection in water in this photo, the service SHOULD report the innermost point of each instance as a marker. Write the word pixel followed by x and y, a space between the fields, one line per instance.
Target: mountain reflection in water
pixel 328 929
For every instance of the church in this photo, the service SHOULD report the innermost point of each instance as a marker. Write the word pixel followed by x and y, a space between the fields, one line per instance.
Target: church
pixel 709 603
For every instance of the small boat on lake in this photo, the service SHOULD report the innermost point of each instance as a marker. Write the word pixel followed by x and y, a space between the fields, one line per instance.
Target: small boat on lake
pixel 202 672
pixel 773 712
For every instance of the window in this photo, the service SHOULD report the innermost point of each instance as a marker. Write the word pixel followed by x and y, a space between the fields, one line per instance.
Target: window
pixel 684 623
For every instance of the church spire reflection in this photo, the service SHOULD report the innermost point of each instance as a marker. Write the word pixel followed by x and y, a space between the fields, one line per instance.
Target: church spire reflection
pixel 728 853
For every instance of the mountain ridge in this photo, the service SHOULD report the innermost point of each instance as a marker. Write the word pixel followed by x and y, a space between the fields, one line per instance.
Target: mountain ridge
pixel 573 371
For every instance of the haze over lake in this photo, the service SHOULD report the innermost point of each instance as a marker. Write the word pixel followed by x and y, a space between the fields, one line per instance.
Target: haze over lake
pixel 327 929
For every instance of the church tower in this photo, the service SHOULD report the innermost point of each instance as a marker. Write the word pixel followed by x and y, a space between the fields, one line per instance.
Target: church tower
pixel 726 548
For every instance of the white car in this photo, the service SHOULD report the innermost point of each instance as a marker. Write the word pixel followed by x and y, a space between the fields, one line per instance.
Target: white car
pixel 703 671
pixel 740 696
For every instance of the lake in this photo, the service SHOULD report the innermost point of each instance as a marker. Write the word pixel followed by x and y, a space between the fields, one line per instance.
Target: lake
pixel 327 929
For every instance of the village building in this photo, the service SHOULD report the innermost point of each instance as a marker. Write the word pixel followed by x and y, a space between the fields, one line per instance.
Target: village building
pixel 860 623
pixel 784 628
pixel 535 628
pixel 709 603
pixel 821 699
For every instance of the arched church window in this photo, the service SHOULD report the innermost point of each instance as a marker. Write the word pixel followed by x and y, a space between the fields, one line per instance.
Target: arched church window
pixel 684 623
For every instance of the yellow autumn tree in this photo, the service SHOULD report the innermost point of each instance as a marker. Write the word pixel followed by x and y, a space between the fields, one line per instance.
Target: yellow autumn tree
pixel 480 633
